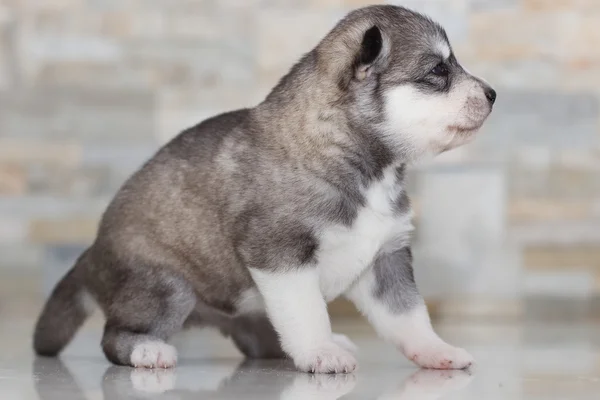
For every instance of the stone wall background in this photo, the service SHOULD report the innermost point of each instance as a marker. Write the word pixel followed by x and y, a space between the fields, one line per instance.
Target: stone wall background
pixel 90 88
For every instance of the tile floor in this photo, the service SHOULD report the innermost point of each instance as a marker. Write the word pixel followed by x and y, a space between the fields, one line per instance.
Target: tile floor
pixel 514 362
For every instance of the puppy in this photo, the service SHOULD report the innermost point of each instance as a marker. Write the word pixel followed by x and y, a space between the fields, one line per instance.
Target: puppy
pixel 253 220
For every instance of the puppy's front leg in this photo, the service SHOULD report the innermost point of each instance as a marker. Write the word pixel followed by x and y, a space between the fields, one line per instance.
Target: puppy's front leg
pixel 388 296
pixel 298 312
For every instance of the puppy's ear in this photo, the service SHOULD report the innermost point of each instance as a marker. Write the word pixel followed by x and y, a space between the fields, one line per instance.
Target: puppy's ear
pixel 353 51
pixel 371 48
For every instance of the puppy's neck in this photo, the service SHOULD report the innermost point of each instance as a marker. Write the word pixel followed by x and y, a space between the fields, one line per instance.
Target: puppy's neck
pixel 301 109
pixel 305 116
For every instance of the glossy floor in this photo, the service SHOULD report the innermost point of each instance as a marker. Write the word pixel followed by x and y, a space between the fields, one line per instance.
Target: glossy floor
pixel 514 362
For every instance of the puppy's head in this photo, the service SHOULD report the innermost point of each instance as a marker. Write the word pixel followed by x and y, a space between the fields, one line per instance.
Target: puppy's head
pixel 398 76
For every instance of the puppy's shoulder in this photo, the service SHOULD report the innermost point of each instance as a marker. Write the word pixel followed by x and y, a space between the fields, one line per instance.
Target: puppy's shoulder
pixel 205 139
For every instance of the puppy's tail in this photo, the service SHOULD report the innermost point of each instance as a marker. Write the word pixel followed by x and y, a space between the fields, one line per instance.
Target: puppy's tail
pixel 65 311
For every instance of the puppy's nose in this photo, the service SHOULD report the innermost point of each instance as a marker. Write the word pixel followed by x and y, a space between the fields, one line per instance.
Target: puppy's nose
pixel 490 94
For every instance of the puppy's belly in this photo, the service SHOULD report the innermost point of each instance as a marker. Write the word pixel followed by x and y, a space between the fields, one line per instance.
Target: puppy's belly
pixel 345 253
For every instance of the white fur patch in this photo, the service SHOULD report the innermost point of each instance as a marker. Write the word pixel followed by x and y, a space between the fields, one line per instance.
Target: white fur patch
pixel 443 49
pixel 345 252
pixel 153 354
pixel 425 123
pixel 298 311
pixel 326 358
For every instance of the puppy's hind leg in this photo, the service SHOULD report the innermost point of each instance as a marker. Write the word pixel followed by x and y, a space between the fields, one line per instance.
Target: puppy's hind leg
pixel 143 316
pixel 255 337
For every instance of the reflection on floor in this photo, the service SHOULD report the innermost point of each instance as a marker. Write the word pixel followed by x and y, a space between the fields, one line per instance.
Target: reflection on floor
pixel 514 362
pixel 249 380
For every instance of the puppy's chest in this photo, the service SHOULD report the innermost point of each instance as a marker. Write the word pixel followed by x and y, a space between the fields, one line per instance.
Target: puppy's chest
pixel 382 224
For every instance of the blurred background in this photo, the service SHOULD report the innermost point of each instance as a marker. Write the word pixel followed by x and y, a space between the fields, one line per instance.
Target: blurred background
pixel 507 227
pixel 507 241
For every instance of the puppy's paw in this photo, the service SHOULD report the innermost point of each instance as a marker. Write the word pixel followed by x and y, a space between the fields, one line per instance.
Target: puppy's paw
pixel 344 342
pixel 327 358
pixel 153 354
pixel 153 380
pixel 439 356
pixel 429 384
pixel 317 387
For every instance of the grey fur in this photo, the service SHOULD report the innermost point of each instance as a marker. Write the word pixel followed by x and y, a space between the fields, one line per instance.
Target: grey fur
pixel 253 188
pixel 395 282
pixel 63 314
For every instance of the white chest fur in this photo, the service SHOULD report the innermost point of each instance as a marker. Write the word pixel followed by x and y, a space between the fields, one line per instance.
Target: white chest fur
pixel 345 252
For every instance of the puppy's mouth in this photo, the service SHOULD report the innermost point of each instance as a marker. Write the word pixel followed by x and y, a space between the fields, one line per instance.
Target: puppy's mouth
pixel 464 129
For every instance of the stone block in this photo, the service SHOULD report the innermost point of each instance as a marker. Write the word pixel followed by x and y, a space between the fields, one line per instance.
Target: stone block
pixel 553 308
pixel 539 209
pixel 63 231
pixel 171 122
pixel 573 183
pixel 89 88
pixel 564 176
pixel 561 5
pixel 580 73
pixel 583 39
pixel 117 5
pixel 543 73
pixel 118 76
pixel 181 109
pixel 541 118
pixel 316 5
pixel 462 246
pixel 58 260
pixel 348 4
pixel 12 179
pixel 284 36
pixel 117 155
pixel 482 307
pixel 556 236
pixel 451 14
pixel 219 22
pixel 63 5
pixel 21 256
pixel 6 14
pixel 81 182
pixel 554 257
pixel 43 206
pixel 491 5
pixel 23 152
pixel 52 48
pixel 568 283
pixel 532 36
pixel 12 229
pixel 200 63
pixel 7 47
pixel 83 113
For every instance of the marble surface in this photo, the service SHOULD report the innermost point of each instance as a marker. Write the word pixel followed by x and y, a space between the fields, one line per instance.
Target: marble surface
pixel 515 361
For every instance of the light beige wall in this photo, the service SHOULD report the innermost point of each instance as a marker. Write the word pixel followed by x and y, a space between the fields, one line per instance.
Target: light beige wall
pixel 90 88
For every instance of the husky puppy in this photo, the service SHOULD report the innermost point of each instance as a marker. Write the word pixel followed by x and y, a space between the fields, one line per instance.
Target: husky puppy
pixel 253 220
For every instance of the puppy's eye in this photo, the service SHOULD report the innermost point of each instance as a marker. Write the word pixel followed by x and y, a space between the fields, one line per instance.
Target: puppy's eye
pixel 440 70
